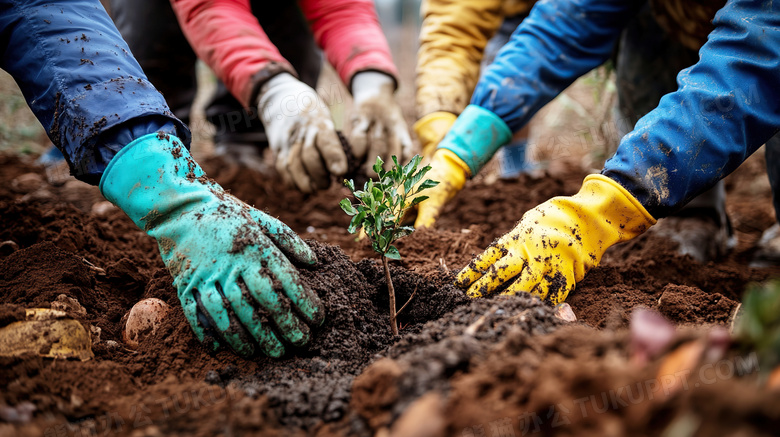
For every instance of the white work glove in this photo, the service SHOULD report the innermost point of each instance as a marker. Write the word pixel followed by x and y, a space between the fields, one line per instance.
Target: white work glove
pixel 378 127
pixel 301 134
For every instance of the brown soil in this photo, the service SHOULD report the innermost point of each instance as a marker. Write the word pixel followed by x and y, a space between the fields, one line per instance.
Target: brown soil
pixel 459 367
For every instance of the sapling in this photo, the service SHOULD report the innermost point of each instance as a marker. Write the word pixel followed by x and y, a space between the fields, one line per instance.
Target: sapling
pixel 380 208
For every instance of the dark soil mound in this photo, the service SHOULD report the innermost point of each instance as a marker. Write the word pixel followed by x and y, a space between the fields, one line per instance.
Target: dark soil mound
pixel 458 368
pixel 426 361
pixel 314 384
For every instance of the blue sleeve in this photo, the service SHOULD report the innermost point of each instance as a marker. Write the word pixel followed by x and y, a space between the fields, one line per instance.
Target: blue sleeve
pixel 726 106
pixel 559 41
pixel 80 79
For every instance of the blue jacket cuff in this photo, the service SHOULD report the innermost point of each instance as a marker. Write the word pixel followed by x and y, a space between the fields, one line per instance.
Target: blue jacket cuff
pixel 476 136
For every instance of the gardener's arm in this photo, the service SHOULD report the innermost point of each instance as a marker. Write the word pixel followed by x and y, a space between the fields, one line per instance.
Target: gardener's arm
pixel 227 36
pixel 453 37
pixel 557 43
pixel 726 107
pixel 96 104
pixel 350 35
pixel 80 80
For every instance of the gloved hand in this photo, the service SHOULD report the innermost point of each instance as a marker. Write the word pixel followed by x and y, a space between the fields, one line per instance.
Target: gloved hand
pixel 378 127
pixel 472 140
pixel 431 129
pixel 451 173
pixel 231 263
pixel 557 242
pixel 301 133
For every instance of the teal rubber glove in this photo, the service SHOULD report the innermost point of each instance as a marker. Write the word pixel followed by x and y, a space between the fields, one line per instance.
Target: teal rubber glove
pixel 230 262
pixel 476 136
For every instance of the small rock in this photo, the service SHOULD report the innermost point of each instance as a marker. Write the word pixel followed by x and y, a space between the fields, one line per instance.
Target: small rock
pixel 111 344
pixel 143 320
pixel 565 313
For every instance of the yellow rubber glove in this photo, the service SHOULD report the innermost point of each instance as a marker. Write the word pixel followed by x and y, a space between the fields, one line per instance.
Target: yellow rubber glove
pixel 557 242
pixel 431 129
pixel 451 173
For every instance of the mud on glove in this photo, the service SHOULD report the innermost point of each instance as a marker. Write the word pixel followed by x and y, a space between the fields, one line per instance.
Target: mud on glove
pixel 301 134
pixel 557 242
pixel 377 123
pixel 231 263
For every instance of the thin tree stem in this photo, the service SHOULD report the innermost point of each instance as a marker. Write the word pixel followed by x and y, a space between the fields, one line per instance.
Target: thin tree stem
pixel 391 293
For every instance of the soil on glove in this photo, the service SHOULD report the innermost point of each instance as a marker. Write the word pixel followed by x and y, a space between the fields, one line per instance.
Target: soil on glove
pixel 459 367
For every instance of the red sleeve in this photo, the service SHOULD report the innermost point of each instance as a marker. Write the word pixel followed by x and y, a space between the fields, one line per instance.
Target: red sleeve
pixel 349 33
pixel 227 36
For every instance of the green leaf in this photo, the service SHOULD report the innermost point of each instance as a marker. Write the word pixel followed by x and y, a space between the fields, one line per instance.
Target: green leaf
pixel 417 200
pixel 378 166
pixel 426 184
pixel 350 184
pixel 394 175
pixel 346 205
pixel 414 179
pixel 392 253
pixel 377 194
pixel 356 222
pixel 425 169
pixel 360 195
pixel 411 166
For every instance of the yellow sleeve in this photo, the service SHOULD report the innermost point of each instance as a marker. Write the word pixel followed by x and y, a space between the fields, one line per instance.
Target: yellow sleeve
pixel 452 42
